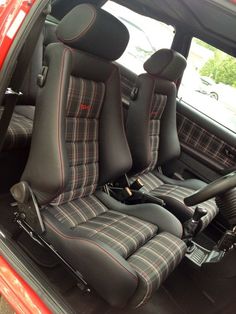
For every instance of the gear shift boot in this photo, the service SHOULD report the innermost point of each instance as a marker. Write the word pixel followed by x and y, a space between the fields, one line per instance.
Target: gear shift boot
pixel 190 227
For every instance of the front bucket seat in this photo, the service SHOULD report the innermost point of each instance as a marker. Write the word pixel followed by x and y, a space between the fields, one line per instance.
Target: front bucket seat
pixel 156 141
pixel 78 145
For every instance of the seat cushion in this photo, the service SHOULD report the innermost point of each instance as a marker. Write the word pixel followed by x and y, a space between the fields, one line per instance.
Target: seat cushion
pixel 122 242
pixel 89 218
pixel 154 262
pixel 125 234
pixel 174 195
pixel 19 132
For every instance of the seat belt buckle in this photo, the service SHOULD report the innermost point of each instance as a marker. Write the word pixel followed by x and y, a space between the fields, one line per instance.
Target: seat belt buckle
pixel 121 194
pixel 137 185
pixel 126 193
pixel 10 92
pixel 11 96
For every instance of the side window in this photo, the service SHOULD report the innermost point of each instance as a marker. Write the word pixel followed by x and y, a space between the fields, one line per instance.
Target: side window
pixel 209 83
pixel 146 36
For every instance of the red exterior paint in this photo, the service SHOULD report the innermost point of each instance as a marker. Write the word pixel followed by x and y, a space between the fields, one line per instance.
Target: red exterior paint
pixel 18 293
pixel 11 13
pixel 15 290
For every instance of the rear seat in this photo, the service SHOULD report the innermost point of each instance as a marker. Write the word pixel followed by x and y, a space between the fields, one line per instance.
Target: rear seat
pixel 19 131
pixel 20 128
pixel 15 150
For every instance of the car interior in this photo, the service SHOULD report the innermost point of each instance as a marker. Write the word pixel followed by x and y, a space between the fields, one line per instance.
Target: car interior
pixel 116 194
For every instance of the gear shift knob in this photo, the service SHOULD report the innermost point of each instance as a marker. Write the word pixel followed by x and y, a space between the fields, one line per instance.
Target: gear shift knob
pixel 199 213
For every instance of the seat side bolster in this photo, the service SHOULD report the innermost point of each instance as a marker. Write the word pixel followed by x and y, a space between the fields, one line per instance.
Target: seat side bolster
pixel 47 168
pixel 193 184
pixel 138 124
pixel 105 270
pixel 113 145
pixel 152 213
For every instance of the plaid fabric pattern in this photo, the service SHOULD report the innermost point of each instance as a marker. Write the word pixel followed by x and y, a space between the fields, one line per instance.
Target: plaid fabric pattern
pixel 91 219
pixel 154 185
pixel 84 104
pixel 179 193
pixel 203 142
pixel 124 234
pixel 157 109
pixel 79 211
pixel 19 132
pixel 154 262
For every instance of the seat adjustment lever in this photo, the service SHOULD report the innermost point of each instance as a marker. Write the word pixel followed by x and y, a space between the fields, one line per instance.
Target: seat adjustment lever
pixel 29 211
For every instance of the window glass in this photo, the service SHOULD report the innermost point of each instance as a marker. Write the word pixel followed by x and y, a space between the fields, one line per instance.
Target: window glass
pixel 146 36
pixel 209 83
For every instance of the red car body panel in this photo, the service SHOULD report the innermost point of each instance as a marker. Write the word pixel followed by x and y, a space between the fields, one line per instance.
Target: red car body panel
pixel 12 15
pixel 18 293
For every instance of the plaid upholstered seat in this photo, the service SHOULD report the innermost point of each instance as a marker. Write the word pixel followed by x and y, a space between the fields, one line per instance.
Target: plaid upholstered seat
pixel 89 217
pixel 19 132
pixel 78 146
pixel 153 185
pixel 153 256
pixel 157 141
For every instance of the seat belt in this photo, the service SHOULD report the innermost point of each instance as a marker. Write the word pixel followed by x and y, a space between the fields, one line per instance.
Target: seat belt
pixel 12 94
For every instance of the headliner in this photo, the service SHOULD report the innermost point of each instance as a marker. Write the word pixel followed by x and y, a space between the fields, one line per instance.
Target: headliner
pixel 210 20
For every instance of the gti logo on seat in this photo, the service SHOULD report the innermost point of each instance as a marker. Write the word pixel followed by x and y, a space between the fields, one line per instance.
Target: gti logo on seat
pixel 85 107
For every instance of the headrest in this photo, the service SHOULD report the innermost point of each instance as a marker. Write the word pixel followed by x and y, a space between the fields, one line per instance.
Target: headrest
pixel 167 64
pixel 94 31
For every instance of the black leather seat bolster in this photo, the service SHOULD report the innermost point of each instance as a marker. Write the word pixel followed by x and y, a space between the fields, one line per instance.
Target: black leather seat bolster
pixel 149 212
pixel 193 184
pixel 106 271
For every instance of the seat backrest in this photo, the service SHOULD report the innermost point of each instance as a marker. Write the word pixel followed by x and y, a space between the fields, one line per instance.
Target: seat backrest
pixel 151 123
pixel 78 140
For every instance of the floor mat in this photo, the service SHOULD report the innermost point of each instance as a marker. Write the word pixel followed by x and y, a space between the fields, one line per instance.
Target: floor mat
pixel 203 290
pixel 161 303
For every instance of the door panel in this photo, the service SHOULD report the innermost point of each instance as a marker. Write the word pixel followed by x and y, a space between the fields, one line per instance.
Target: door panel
pixel 207 148
pixel 205 141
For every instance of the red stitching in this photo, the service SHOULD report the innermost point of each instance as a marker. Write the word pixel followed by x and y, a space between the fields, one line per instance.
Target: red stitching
pixel 58 121
pixel 59 129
